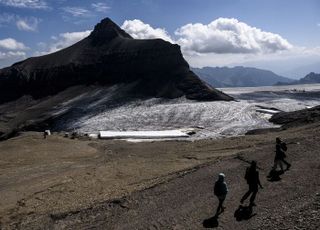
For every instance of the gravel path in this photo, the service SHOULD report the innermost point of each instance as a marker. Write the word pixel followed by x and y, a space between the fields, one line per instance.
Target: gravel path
pixel 187 201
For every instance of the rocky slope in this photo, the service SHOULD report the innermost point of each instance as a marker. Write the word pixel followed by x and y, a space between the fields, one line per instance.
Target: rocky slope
pixel 238 76
pixel 108 56
pixel 297 118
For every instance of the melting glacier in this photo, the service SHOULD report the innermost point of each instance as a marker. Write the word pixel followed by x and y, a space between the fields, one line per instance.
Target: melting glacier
pixel 252 108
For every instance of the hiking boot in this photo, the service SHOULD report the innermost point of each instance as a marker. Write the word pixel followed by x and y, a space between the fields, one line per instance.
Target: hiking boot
pixel 288 167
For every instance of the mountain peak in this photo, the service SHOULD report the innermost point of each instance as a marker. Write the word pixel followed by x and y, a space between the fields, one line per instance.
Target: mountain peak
pixel 106 30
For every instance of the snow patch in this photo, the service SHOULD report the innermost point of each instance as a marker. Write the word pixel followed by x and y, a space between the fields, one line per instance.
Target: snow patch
pixel 142 134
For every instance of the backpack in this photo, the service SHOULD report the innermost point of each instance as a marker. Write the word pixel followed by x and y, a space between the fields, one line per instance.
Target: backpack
pixel 284 146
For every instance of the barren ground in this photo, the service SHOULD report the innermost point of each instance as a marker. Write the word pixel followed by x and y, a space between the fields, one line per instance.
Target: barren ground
pixel 59 183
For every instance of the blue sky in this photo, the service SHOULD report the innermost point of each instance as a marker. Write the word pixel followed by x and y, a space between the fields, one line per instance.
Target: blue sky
pixel 279 35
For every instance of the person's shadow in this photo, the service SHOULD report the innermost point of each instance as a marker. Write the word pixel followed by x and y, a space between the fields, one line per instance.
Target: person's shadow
pixel 244 213
pixel 274 175
pixel 212 222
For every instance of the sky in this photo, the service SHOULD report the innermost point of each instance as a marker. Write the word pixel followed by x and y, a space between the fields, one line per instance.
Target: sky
pixel 279 35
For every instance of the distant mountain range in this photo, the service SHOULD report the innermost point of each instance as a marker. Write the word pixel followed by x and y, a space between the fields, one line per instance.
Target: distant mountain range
pixel 239 76
pixel 311 78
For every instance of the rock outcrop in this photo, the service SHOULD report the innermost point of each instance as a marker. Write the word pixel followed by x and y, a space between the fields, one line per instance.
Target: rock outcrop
pixel 297 118
pixel 108 56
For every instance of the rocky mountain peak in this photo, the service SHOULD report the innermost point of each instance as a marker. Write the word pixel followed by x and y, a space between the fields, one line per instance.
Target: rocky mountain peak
pixel 107 30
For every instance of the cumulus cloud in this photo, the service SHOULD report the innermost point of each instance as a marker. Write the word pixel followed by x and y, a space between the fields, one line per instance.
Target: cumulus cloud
pixel 12 44
pixel 32 4
pixel 228 35
pixel 12 55
pixel 139 30
pixel 100 7
pixel 62 41
pixel 221 36
pixel 11 51
pixel 28 24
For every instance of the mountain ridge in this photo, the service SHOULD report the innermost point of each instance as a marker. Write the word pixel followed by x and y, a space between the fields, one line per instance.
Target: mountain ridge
pixel 311 78
pixel 239 76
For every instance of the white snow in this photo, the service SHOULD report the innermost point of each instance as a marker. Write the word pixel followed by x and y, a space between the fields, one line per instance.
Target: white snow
pixel 268 111
pixel 142 134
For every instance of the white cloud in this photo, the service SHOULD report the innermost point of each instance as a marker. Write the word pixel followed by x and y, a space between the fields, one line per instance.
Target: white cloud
pixel 228 42
pixel 22 23
pixel 28 24
pixel 12 55
pixel 11 51
pixel 225 35
pixel 12 44
pixel 221 36
pixel 100 7
pixel 62 41
pixel 32 4
pixel 139 30
pixel 77 11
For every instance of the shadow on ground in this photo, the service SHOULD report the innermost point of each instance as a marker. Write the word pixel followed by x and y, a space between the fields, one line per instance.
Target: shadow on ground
pixel 274 175
pixel 244 213
pixel 211 222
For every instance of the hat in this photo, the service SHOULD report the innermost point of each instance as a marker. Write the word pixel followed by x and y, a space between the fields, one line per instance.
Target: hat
pixel 221 175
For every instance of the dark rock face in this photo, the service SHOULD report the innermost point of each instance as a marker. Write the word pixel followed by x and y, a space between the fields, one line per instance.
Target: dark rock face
pixel 296 118
pixel 108 56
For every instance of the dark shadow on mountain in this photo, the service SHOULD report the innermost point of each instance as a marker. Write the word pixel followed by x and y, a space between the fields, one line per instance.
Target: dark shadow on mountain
pixel 212 222
pixel 274 175
pixel 244 213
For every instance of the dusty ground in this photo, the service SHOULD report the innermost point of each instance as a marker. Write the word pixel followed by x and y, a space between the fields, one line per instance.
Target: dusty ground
pixel 60 183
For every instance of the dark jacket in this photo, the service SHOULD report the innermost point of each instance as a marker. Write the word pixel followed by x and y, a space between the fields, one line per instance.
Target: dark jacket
pixel 280 152
pixel 220 188
pixel 252 177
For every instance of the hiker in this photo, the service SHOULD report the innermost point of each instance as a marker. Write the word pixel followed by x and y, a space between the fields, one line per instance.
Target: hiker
pixel 280 156
pixel 220 190
pixel 252 177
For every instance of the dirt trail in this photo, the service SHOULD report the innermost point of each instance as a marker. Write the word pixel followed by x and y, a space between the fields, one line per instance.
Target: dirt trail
pixel 185 202
pixel 183 199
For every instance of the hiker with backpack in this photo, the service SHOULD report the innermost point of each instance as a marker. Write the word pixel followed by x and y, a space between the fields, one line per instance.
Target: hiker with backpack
pixel 220 190
pixel 253 180
pixel 281 148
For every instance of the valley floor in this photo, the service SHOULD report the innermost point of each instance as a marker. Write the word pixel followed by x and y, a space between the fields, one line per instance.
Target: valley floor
pixel 59 183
